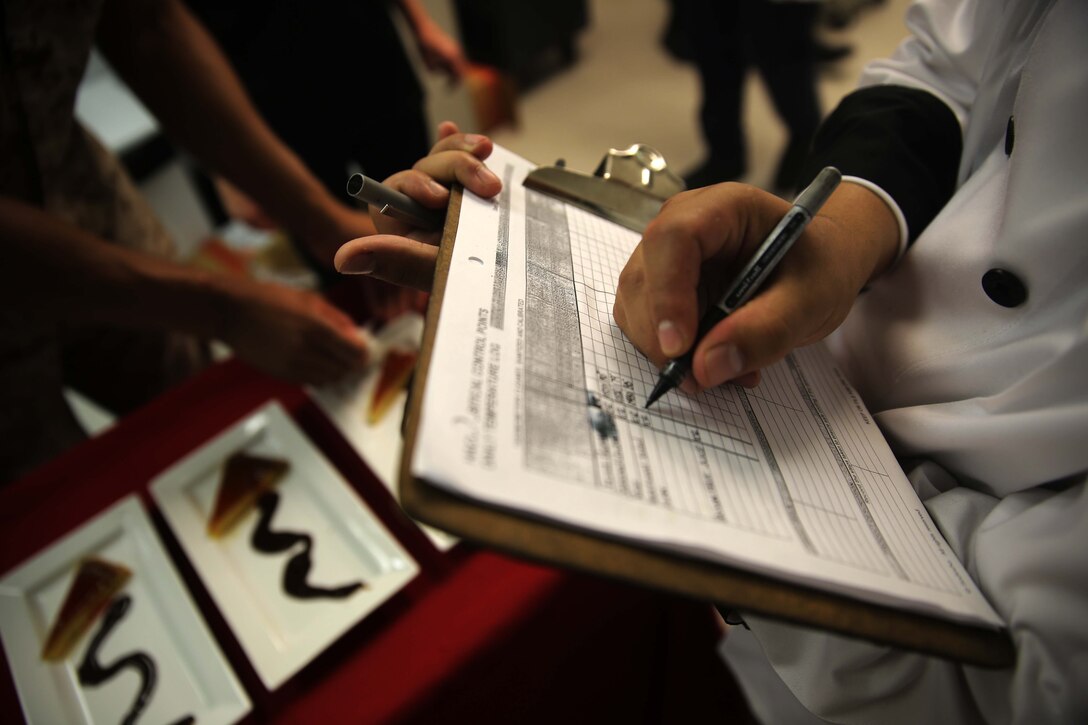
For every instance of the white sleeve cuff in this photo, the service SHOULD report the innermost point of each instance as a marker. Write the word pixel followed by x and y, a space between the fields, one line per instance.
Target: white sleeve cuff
pixel 896 212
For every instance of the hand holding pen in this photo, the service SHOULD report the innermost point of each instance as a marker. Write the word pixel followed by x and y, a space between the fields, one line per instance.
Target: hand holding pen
pixel 697 248
pixel 754 273
pixel 406 246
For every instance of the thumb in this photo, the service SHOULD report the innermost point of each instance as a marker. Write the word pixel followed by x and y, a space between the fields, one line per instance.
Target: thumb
pixel 400 260
pixel 755 336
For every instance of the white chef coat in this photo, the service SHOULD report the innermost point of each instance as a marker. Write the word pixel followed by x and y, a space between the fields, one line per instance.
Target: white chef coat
pixel 994 399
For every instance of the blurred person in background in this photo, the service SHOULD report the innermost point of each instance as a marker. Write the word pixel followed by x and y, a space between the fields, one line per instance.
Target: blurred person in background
pixel 91 296
pixel 727 39
pixel 311 68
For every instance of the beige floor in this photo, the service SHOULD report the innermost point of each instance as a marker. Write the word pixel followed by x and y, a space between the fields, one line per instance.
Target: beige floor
pixel 626 90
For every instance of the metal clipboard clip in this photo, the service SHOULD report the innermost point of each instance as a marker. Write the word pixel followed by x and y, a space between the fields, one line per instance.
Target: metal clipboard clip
pixel 628 187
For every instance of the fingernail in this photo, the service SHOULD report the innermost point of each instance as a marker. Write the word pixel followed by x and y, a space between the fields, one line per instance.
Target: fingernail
pixel 472 139
pixel 668 337
pixel 436 188
pixel 359 264
pixel 723 363
pixel 484 174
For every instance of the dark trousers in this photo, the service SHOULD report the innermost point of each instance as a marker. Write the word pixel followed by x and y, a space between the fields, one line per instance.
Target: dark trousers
pixel 727 38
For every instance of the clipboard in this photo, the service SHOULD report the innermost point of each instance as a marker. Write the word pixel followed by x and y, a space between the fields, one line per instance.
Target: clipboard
pixel 525 536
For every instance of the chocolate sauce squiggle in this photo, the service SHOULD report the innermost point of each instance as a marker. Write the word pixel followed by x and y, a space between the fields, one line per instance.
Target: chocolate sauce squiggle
pixel 267 541
pixel 91 673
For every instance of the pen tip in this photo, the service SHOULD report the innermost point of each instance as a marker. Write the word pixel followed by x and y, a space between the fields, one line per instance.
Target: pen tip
pixel 663 386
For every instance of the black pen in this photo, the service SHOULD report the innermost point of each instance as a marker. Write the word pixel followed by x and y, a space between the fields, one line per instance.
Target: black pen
pixel 766 258
pixel 394 204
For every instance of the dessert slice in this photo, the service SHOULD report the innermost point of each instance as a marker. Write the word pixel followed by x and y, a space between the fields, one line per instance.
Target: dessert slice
pixel 245 478
pixel 396 369
pixel 95 584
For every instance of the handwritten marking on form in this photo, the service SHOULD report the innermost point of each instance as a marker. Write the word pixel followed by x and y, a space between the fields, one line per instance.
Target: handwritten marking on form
pixel 534 401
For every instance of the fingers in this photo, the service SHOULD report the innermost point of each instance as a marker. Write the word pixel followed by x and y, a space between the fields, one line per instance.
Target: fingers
pixel 455 157
pixel 696 232
pixel 451 139
pixel 672 255
pixel 689 255
pixel 399 260
pixel 421 187
pixel 292 334
pixel 631 311
pixel 451 161
pixel 342 355
pixel 386 301
pixel 755 336
pixel 462 166
pixel 335 317
pixel 793 310
pixel 316 357
pixel 405 261
pixel 327 354
pixel 459 157
pixel 447 128
pixel 338 339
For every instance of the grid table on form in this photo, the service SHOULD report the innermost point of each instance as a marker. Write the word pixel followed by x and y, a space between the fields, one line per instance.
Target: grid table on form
pixel 573 262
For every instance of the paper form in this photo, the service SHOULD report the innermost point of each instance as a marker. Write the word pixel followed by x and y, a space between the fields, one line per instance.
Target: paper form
pixel 534 401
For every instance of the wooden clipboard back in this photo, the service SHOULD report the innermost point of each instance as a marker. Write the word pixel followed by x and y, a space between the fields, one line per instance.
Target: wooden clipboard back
pixel 532 538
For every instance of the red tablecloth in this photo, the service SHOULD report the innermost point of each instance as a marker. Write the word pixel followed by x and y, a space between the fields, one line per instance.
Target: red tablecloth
pixel 476 637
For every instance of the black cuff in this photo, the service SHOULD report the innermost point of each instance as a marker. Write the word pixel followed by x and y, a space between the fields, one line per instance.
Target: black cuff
pixel 904 140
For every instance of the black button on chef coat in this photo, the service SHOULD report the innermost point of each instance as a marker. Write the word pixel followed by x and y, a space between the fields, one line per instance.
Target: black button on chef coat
pixel 1004 288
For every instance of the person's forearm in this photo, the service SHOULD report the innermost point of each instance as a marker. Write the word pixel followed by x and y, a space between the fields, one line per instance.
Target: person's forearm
pixel 414 13
pixel 866 223
pixel 58 272
pixel 176 68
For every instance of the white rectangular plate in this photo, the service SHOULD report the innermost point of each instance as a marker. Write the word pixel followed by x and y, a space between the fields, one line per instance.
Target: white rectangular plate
pixel 379 444
pixel 162 621
pixel 281 633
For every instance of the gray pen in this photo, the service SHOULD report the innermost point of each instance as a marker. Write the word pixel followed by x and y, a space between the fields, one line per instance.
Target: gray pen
pixel 394 204
pixel 766 258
